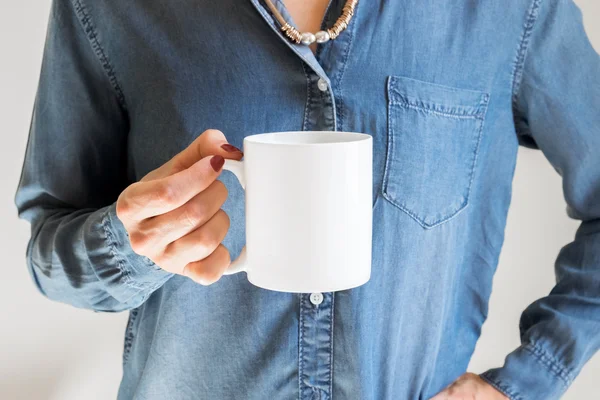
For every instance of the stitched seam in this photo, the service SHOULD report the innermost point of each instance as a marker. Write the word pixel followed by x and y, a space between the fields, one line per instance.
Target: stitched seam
pixel 333 102
pixel 440 113
pixel 523 46
pixel 501 387
pixel 483 104
pixel 331 347
pixel 267 15
pixel 300 347
pixel 390 142
pixel 397 93
pixel 389 157
pixel 325 99
pixel 129 335
pixel 517 74
pixel 308 97
pixel 113 252
pixel 437 86
pixel 90 30
pixel 419 219
pixel 554 365
pixel 340 106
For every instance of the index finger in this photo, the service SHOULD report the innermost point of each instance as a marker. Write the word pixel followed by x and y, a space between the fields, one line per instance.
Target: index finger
pixel 159 196
pixel 210 142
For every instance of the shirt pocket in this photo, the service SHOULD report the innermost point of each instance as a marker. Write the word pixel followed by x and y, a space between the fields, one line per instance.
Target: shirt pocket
pixel 433 140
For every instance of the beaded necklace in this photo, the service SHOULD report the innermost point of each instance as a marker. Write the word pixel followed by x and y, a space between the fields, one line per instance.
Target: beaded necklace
pixel 308 38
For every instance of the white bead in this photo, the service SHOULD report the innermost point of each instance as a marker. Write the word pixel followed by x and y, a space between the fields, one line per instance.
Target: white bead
pixel 307 38
pixel 322 36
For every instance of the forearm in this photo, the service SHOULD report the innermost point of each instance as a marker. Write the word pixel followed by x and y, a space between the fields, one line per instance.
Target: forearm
pixel 83 258
pixel 559 332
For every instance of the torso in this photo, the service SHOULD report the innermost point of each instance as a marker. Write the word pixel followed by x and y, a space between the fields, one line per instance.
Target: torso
pixel 416 76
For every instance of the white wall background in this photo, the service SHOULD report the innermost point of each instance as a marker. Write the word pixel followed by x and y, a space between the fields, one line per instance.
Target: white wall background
pixel 53 351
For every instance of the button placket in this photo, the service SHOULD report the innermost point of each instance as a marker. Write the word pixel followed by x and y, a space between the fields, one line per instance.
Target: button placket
pixel 315 363
pixel 316 309
pixel 315 345
pixel 319 113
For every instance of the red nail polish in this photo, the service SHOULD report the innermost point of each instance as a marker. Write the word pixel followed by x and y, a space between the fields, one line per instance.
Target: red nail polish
pixel 217 163
pixel 230 148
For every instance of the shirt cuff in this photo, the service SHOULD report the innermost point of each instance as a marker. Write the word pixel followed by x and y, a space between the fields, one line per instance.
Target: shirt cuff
pixel 137 272
pixel 530 373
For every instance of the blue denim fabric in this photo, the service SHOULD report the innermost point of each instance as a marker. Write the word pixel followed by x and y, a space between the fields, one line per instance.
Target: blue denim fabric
pixel 449 90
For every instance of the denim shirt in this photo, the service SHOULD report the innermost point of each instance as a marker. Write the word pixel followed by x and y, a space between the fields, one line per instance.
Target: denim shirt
pixel 449 90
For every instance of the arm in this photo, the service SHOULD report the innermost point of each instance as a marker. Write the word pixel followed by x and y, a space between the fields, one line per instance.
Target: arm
pixel 74 169
pixel 557 110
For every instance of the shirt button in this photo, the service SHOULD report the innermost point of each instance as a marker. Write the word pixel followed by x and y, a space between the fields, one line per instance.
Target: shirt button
pixel 322 85
pixel 316 298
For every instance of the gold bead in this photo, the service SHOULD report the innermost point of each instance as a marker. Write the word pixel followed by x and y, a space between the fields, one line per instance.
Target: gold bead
pixel 291 32
pixel 340 25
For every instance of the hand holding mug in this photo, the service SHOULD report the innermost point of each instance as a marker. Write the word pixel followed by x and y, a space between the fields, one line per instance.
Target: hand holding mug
pixel 173 214
pixel 308 210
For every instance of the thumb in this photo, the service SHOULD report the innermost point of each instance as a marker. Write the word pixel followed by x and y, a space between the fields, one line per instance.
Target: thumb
pixel 211 142
pixel 443 395
pixel 440 396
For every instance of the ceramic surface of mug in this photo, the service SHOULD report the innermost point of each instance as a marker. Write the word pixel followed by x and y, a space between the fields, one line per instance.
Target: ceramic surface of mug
pixel 308 210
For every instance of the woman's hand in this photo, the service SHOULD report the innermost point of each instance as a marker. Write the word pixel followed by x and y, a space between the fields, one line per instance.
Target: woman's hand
pixel 173 214
pixel 470 387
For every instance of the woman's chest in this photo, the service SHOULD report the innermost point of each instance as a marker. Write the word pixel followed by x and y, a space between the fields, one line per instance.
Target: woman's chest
pixel 188 67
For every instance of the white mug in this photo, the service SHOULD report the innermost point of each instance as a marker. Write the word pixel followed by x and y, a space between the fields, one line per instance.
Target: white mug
pixel 308 210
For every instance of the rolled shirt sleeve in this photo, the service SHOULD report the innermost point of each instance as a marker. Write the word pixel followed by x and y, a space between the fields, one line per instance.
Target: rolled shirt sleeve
pixel 75 166
pixel 557 110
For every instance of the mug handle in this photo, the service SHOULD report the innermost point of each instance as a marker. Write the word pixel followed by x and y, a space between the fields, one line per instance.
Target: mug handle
pixel 237 168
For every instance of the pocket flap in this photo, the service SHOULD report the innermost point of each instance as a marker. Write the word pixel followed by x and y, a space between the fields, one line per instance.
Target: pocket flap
pixel 437 98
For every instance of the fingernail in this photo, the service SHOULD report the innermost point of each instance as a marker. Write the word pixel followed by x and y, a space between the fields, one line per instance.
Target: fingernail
pixel 217 163
pixel 230 148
